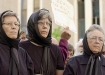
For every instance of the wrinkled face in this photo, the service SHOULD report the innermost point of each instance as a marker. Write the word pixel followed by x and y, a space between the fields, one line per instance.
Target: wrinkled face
pixel 11 26
pixel 95 41
pixel 44 27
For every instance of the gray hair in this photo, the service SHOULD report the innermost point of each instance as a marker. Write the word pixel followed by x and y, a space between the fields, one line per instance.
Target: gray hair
pixel 95 27
pixel 9 13
pixel 45 14
pixel 70 48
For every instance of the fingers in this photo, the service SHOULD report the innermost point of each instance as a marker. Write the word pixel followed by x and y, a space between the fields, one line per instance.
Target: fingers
pixel 66 33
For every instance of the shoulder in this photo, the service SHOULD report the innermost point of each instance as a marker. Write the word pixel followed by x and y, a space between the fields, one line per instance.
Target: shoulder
pixel 73 65
pixel 55 48
pixel 80 59
pixel 75 61
pixel 24 42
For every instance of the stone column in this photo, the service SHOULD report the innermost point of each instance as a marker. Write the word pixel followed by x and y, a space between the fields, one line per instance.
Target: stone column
pixel 29 8
pixel 88 14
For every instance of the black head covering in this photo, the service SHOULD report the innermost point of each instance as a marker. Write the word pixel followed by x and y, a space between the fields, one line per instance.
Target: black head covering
pixel 94 62
pixel 4 39
pixel 33 32
pixel 36 37
pixel 13 44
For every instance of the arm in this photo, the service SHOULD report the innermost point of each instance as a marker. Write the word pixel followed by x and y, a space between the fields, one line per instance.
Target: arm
pixel 65 36
pixel 63 47
pixel 30 65
pixel 60 63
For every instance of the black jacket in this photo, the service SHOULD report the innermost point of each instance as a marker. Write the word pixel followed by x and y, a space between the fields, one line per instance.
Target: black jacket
pixel 77 65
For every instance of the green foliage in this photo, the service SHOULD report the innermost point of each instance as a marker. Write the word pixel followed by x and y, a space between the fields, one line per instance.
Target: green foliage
pixel 57 33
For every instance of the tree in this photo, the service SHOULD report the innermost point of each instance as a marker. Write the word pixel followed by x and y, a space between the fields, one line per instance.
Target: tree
pixel 56 33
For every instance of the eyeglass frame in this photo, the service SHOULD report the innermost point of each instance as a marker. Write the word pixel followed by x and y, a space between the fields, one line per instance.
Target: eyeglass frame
pixel 11 23
pixel 94 38
pixel 43 23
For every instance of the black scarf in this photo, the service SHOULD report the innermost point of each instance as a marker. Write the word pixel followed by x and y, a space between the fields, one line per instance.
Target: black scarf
pixel 35 36
pixel 14 62
pixel 94 62
pixel 13 44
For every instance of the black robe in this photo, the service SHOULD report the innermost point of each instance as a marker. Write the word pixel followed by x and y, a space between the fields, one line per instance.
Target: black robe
pixel 25 62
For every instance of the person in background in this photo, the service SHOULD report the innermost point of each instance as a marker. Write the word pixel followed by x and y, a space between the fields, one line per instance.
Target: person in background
pixel 54 41
pixel 46 56
pixel 79 48
pixel 63 43
pixel 70 54
pixel 22 36
pixel 91 62
pixel 14 60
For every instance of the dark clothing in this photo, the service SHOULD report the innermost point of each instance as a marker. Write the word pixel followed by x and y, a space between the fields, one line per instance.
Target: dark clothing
pixel 36 52
pixel 13 59
pixel 87 64
pixel 35 36
pixel 25 63
pixel 77 65
pixel 95 61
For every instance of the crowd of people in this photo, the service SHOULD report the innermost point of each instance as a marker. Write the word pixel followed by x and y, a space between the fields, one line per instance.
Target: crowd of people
pixel 38 53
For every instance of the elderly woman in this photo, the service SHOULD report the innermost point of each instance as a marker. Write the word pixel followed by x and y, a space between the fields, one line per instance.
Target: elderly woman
pixel 92 61
pixel 14 60
pixel 46 56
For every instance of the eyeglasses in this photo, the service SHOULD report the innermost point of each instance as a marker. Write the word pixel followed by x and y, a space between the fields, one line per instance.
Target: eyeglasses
pixel 43 23
pixel 100 39
pixel 10 24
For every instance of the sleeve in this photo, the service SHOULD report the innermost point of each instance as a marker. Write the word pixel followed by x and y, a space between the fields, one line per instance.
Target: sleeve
pixel 60 63
pixel 30 65
pixel 63 47
pixel 71 67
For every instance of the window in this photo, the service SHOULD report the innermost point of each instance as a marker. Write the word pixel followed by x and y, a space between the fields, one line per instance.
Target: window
pixel 81 19
pixel 96 16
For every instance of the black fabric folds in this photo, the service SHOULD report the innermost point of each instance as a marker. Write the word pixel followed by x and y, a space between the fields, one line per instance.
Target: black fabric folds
pixel 46 62
pixel 94 63
pixel 14 63
pixel 35 36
